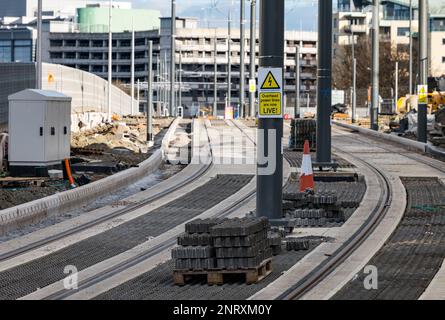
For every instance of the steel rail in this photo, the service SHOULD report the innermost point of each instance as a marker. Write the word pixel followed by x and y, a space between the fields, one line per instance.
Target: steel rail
pixel 195 176
pixel 302 287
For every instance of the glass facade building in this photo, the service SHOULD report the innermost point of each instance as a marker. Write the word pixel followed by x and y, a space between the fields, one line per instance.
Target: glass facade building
pixel 17 45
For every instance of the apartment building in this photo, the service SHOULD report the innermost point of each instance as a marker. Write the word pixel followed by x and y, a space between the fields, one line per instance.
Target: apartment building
pixel 195 47
pixel 437 43
pixel 195 51
pixel 353 19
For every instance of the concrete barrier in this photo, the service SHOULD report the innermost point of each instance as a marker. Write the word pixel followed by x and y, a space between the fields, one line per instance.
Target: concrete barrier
pixel 389 137
pixel 37 210
pixel 168 138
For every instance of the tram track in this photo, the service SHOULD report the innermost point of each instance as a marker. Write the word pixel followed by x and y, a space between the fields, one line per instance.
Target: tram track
pixel 318 274
pixel 157 195
pixel 151 252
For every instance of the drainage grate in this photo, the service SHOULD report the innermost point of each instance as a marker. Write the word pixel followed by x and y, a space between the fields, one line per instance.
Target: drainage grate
pixel 409 260
pixel 157 284
pixel 25 279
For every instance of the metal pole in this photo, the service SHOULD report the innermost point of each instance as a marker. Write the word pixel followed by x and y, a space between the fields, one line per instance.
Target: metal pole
pixel 410 47
pixel 324 93
pixel 354 91
pixel 354 80
pixel 180 80
pixel 150 93
pixel 423 68
pixel 132 70
pixel 269 187
pixel 375 96
pixel 158 96
pixel 165 85
pixel 396 86
pixel 297 83
pixel 215 80
pixel 39 47
pixel 252 55
pixel 242 54
pixel 173 60
pixel 229 61
pixel 110 58
pixel 138 89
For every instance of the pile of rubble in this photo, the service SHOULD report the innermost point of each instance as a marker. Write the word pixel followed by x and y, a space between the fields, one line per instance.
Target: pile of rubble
pixel 110 136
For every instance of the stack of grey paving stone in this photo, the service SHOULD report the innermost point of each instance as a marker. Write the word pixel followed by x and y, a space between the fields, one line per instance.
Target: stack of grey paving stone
pixel 225 244
pixel 196 250
pixel 302 130
pixel 241 243
pixel 297 244
pixel 306 209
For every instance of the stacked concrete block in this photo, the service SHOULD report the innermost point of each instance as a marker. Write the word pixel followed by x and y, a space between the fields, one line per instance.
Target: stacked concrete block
pixel 306 209
pixel 302 130
pixel 241 243
pixel 275 243
pixel 196 250
pixel 297 244
pixel 213 244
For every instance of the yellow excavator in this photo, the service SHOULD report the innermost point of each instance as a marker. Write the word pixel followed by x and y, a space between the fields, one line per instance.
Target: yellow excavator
pixel 436 100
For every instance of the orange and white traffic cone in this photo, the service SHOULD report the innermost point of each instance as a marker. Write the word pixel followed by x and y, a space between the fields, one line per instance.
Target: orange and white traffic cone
pixel 306 173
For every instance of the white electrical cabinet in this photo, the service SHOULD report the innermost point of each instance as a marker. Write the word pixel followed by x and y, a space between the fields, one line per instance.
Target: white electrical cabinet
pixel 39 130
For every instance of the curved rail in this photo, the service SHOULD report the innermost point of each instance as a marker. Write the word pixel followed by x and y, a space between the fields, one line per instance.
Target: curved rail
pixel 158 195
pixel 105 274
pixel 324 269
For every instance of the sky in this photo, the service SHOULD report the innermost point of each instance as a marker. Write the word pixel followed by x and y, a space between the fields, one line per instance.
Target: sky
pixel 300 14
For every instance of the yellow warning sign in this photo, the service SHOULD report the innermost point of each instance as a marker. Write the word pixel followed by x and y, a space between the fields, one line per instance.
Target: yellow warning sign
pixel 50 78
pixel 423 94
pixel 270 83
pixel 270 104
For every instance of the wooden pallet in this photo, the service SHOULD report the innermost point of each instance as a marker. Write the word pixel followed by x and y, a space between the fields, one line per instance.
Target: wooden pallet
pixel 216 277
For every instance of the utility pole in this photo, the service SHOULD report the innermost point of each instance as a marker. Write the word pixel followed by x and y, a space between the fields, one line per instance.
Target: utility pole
pixel 242 54
pixel 410 47
pixel 166 82
pixel 354 90
pixel 423 70
pixel 180 80
pixel 215 80
pixel 396 86
pixel 375 96
pixel 132 70
pixel 157 86
pixel 150 92
pixel 173 60
pixel 138 96
pixel 229 61
pixel 39 72
pixel 110 58
pixel 297 82
pixel 324 83
pixel 252 55
pixel 354 80
pixel 269 186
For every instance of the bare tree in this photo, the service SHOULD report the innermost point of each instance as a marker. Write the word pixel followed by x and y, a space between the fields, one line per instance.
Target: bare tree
pixel 389 54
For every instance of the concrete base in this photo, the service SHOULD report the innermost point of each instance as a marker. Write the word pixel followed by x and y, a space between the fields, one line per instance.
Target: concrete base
pixel 33 171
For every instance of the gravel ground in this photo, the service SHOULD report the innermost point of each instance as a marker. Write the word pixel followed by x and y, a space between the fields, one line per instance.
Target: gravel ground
pixel 414 253
pixel 158 284
pixel 165 172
